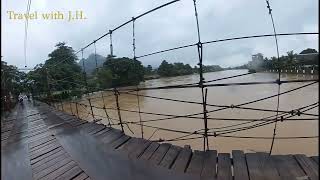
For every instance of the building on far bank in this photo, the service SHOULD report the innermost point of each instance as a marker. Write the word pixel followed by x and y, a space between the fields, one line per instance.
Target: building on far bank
pixel 256 62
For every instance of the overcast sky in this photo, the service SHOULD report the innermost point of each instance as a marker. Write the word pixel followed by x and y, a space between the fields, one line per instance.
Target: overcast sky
pixel 168 27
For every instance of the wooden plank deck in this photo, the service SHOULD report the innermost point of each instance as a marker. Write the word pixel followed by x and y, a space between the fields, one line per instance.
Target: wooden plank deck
pixel 37 153
pixel 59 146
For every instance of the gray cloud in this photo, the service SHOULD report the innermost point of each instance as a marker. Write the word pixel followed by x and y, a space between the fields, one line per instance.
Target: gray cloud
pixel 166 28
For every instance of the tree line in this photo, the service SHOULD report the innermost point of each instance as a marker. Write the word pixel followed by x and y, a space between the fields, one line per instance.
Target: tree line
pixel 12 83
pixel 306 58
pixel 62 76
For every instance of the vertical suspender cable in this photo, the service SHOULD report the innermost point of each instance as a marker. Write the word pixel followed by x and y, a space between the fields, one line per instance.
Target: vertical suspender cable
pixel 26 33
pixel 95 54
pixel 279 76
pixel 200 53
pixel 134 58
pixel 84 71
pixel 111 47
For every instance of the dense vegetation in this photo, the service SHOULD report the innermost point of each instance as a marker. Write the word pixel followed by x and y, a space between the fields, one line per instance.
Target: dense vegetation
pixel 307 58
pixel 117 72
pixel 12 83
pixel 59 75
pixel 176 69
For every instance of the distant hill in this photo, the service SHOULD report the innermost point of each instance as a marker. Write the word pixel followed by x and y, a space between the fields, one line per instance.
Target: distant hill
pixel 90 63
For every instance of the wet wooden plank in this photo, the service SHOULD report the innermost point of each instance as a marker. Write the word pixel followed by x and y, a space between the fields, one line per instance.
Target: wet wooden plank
pixel 81 176
pixel 41 141
pixel 112 137
pixel 315 158
pixel 224 167
pixel 159 153
pixel 181 163
pixel 47 159
pixel 170 156
pixel 129 145
pixel 100 128
pixel 119 142
pixel 77 123
pixel 140 149
pixel 239 165
pixel 288 167
pixel 196 163
pixel 209 165
pixel 45 155
pixel 70 174
pixel 102 132
pixel 58 172
pixel 39 136
pixel 310 167
pixel 92 126
pixel 132 152
pixel 15 162
pixel 105 134
pixel 261 167
pixel 50 163
pixel 31 135
pixel 33 129
pixel 46 144
pixel 51 169
pixel 149 151
pixel 87 126
pixel 44 150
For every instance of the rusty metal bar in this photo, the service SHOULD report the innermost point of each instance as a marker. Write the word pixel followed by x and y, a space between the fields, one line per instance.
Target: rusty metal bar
pixel 91 108
pixel 116 93
pixel 105 110
pixel 77 110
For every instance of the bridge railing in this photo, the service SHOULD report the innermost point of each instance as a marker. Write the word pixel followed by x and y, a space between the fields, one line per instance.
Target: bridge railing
pixel 205 132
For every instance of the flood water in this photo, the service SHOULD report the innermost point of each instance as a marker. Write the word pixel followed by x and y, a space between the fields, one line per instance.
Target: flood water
pixel 225 95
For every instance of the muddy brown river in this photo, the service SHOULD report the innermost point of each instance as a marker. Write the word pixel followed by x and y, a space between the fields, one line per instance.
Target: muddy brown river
pixel 219 121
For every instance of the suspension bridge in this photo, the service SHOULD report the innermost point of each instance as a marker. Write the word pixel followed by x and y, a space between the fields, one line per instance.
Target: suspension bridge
pixel 53 140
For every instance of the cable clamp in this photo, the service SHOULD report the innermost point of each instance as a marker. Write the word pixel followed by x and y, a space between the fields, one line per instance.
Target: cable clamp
pixel 298 113
pixel 199 44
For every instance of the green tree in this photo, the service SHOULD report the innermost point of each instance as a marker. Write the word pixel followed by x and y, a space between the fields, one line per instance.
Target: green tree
pixel 290 59
pixel 176 69
pixel 165 69
pixel 62 65
pixel 104 78
pixel 309 51
pixel 12 84
pixel 60 69
pixel 148 70
pixel 124 71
